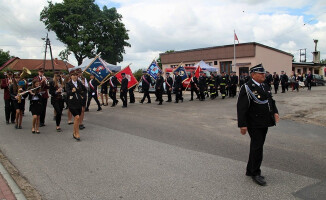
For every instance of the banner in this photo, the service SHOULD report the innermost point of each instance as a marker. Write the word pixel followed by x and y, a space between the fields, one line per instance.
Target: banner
pixel 182 72
pixel 153 69
pixel 131 79
pixel 98 69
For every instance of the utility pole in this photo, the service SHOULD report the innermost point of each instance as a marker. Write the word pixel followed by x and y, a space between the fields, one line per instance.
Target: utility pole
pixel 47 43
pixel 303 55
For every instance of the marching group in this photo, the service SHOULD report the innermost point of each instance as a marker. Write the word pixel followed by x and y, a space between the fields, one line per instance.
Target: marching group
pixel 75 92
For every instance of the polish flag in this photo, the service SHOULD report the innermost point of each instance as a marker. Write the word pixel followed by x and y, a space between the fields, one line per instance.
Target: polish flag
pixel 236 37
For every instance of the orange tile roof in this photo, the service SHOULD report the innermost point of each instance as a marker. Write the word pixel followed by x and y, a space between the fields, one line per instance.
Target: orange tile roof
pixel 35 64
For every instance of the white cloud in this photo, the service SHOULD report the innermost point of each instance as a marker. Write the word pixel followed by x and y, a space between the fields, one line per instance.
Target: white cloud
pixel 156 26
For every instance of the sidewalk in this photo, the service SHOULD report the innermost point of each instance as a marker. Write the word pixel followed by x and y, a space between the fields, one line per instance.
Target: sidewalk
pixel 8 188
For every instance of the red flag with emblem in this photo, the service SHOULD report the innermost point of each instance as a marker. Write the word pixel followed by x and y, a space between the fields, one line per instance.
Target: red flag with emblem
pixel 198 69
pixel 132 81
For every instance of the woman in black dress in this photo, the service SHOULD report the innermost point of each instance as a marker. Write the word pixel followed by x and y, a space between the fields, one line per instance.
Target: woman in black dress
pixel 16 92
pixel 56 91
pixel 35 105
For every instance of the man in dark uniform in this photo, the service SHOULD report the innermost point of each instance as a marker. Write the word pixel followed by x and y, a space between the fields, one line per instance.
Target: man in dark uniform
pixel 113 82
pixel 217 81
pixel 131 94
pixel 212 86
pixel 284 80
pixel 92 93
pixel 104 92
pixel 146 82
pixel 159 87
pixel 256 111
pixel 177 87
pixel 247 77
pixel 193 86
pixel 276 81
pixel 309 79
pixel 233 84
pixel 202 86
pixel 268 79
pixel 9 104
pixel 124 90
pixel 207 82
pixel 168 85
pixel 242 79
pixel 223 84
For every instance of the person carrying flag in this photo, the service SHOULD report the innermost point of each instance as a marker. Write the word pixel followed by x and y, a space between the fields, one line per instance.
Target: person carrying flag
pixel 92 93
pixel 146 83
pixel 124 90
pixel 194 86
pixel 178 87
pixel 168 85
pixel 113 82
pixel 159 87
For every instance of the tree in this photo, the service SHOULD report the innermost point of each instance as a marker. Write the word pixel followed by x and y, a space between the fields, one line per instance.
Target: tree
pixel 323 61
pixel 86 30
pixel 4 57
pixel 138 74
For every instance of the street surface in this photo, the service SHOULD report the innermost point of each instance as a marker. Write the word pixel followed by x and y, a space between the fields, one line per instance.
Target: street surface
pixel 190 150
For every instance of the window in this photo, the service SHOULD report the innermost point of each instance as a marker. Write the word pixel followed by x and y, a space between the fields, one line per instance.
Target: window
pixel 190 65
pixel 226 67
pixel 174 66
pixel 210 63
pixel 215 62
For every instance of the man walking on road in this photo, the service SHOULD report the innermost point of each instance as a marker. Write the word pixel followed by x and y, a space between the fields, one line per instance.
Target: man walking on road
pixel 256 112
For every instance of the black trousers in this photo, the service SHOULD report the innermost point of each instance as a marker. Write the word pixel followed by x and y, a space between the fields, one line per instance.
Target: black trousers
pixel 10 110
pixel 283 87
pixel 275 88
pixel 168 92
pixel 58 105
pixel 131 95
pixel 146 95
pixel 90 98
pixel 123 97
pixel 113 96
pixel 223 90
pixel 201 93
pixel 43 112
pixel 257 136
pixel 159 94
pixel 309 85
pixel 233 90
pixel 193 90
pixel 178 95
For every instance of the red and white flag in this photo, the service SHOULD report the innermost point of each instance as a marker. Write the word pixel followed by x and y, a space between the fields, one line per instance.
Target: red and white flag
pixel 236 37
pixel 131 79
pixel 198 69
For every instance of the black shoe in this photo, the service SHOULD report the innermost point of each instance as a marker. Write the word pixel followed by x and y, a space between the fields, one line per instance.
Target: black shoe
pixel 33 132
pixel 156 100
pixel 141 102
pixel 99 109
pixel 176 102
pixel 7 122
pixel 259 180
pixel 16 126
pixel 20 127
pixel 37 132
pixel 182 100
pixel 81 127
pixel 113 105
pixel 69 123
pixel 41 125
pixel 124 106
pixel 86 110
pixel 191 100
pixel 160 103
pixel 116 103
pixel 78 139
pixel 102 104
pixel 59 130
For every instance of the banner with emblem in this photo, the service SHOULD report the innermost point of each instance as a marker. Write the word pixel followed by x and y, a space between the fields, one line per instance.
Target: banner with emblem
pixel 153 69
pixel 132 81
pixel 98 68
pixel 182 72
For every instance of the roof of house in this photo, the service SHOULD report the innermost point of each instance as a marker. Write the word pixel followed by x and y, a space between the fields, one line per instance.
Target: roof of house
pixel 17 64
pixel 310 64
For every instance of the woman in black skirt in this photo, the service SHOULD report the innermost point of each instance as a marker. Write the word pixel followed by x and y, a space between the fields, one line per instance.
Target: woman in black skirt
pixel 35 105
pixel 16 92
pixel 56 91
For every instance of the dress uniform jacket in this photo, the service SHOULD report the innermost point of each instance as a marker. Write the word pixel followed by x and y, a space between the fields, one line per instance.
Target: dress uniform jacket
pixel 256 107
pixel 159 83
pixel 146 83
pixel 5 87
pixel 177 83
pixel 75 99
pixel 169 83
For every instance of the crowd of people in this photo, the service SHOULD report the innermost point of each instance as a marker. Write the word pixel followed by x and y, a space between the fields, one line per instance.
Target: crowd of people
pixel 75 93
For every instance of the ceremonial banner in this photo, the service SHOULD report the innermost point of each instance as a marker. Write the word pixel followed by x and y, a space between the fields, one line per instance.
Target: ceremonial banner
pixel 198 69
pixel 98 69
pixel 131 79
pixel 182 72
pixel 153 69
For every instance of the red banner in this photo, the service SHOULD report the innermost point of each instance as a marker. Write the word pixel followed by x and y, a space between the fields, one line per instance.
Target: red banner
pixel 131 79
pixel 198 69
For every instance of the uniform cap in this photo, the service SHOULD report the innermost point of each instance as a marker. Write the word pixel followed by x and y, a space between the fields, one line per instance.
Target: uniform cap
pixel 258 69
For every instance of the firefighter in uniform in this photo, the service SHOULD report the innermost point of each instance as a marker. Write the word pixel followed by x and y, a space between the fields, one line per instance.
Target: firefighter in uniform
pixel 233 84
pixel 202 86
pixel 223 84
pixel 194 86
pixel 206 86
pixel 256 112
pixel 113 82
pixel 168 85
pixel 212 86
pixel 159 88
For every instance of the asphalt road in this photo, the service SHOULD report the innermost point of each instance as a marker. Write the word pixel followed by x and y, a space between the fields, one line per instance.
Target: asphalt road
pixel 190 150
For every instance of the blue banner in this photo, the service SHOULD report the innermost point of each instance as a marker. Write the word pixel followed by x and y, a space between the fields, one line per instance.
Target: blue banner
pixel 182 72
pixel 153 69
pixel 98 69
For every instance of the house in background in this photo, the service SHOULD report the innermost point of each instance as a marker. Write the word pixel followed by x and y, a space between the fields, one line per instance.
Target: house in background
pixel 17 64
pixel 221 57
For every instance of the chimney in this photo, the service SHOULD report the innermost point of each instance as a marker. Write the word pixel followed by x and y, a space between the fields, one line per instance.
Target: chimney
pixel 316 54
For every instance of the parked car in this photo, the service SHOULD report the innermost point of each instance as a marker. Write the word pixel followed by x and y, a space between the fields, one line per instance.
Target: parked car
pixel 318 80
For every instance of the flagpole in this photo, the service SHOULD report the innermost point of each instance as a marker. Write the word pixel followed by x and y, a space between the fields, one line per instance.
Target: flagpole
pixel 234 50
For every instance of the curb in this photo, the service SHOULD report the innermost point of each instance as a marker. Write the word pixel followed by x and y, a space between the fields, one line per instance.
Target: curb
pixel 12 184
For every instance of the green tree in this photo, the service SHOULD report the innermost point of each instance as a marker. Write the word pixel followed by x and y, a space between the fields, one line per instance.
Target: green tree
pixel 84 28
pixel 4 57
pixel 138 74
pixel 323 61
